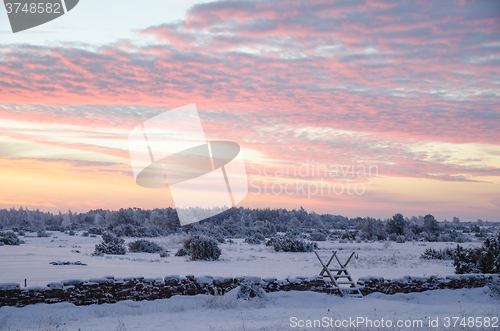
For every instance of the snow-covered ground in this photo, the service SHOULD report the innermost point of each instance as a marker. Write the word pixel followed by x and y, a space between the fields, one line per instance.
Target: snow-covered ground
pixel 31 261
pixel 276 313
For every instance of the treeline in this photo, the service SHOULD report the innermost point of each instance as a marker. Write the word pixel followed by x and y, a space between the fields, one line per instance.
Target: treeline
pixel 253 224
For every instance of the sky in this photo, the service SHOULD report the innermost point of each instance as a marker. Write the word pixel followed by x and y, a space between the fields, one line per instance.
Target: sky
pixel 394 105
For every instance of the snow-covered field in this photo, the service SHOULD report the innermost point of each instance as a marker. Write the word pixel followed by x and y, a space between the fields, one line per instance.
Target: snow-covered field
pixel 31 261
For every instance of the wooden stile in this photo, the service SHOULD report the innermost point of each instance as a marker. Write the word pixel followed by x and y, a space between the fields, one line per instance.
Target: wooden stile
pixel 340 276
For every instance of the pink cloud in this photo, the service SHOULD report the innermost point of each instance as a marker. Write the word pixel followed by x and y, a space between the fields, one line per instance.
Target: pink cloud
pixel 392 74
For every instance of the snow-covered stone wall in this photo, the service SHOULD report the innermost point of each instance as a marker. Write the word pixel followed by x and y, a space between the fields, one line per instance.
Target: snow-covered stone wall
pixel 409 284
pixel 110 289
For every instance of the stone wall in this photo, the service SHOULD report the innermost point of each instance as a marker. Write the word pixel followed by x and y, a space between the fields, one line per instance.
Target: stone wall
pixel 109 289
pixel 409 284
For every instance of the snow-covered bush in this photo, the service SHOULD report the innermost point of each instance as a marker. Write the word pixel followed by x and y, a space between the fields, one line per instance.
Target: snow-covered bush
pixel 202 248
pixel 145 246
pixel 397 238
pixel 110 245
pixel 9 238
pixel 109 248
pixel 485 259
pixel 42 234
pixel 250 290
pixel 465 260
pixel 494 286
pixel 256 239
pixel 433 254
pixel 400 239
pixel 182 252
pixel 128 230
pixel 109 237
pixel 445 237
pixel 291 245
pixel 220 238
pixel 53 228
pixel 317 236
pixel 95 231
pixel 252 241
pixel 460 238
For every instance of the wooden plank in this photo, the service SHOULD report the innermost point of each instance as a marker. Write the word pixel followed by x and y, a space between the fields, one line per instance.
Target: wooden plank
pixel 335 285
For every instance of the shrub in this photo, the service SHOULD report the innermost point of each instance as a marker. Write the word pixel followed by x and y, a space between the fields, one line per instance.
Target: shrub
pixel 442 254
pixel 485 259
pixel 164 254
pixel 71 233
pixel 42 234
pixel 202 248
pixel 252 241
pixel 259 236
pixel 9 238
pixel 460 238
pixel 393 237
pixel 53 228
pixel 317 236
pixel 145 246
pixel 110 245
pixel 95 231
pixel 129 230
pixel 109 248
pixel 85 234
pixel 249 290
pixel 291 245
pixel 444 237
pixel 182 252
pixel 255 240
pixel 109 237
pixel 220 238
pixel 400 239
pixel 494 286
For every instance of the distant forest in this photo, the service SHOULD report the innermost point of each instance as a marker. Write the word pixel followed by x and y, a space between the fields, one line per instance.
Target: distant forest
pixel 249 223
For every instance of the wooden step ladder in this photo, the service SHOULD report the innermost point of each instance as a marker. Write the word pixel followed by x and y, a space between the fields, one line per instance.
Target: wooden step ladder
pixel 340 276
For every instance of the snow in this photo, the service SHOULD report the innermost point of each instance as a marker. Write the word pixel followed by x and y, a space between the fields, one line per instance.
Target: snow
pixel 56 285
pixel 398 260
pixel 98 280
pixel 203 312
pixel 9 286
pixel 31 261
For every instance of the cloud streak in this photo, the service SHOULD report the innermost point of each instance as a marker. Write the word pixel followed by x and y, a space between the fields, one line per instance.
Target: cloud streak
pixel 373 82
